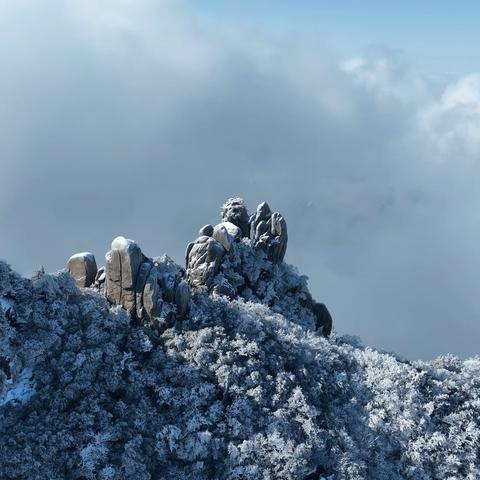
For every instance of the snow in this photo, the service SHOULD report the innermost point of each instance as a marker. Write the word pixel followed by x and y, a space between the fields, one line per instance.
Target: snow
pixel 5 304
pixel 82 255
pixel 121 243
pixel 20 391
pixel 232 229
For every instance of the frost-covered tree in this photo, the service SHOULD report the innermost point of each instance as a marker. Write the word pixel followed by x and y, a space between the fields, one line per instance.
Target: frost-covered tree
pixel 241 389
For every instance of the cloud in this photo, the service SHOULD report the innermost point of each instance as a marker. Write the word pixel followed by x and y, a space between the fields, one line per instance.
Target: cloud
pixel 142 118
pixel 452 122
pixel 386 75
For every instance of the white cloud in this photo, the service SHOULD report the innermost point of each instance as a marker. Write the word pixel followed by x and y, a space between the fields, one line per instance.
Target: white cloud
pixel 452 122
pixel 444 119
pixel 141 119
pixel 385 73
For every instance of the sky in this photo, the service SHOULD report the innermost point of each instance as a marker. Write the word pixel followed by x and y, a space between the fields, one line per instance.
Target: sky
pixel 360 125
pixel 440 37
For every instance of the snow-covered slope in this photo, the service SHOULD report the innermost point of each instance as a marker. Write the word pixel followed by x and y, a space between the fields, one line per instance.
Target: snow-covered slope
pixel 237 390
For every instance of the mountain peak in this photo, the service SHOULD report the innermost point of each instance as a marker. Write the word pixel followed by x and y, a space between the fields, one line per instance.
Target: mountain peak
pixel 217 370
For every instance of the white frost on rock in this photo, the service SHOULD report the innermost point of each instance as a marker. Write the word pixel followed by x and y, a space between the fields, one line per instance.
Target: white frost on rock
pixel 121 243
pixel 82 255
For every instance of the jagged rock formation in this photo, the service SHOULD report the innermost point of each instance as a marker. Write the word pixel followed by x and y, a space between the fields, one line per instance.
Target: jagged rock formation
pixel 148 289
pixel 83 268
pixel 269 231
pixel 235 211
pixel 239 257
pixel 204 257
pixel 323 319
pixel 142 285
pixel 206 231
pixel 123 262
pixel 266 231
pixel 182 299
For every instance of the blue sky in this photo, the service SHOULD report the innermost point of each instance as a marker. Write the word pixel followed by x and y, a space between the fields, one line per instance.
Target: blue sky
pixel 440 38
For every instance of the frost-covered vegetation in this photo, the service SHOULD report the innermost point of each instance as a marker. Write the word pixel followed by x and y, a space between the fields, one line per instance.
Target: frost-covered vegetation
pixel 239 390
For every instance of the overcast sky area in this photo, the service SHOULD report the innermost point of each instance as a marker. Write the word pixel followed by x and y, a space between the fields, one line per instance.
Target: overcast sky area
pixel 141 118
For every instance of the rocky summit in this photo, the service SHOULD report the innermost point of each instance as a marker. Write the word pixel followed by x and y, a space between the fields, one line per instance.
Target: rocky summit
pixel 223 368
pixel 239 257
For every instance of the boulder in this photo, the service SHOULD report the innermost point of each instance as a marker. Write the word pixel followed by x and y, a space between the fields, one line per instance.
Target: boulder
pixel 182 298
pixel 168 282
pixel 113 277
pixel 122 265
pixel 278 230
pixel 269 231
pixel 323 319
pixel 204 257
pixel 83 268
pixel 261 216
pixel 221 235
pixel 100 277
pixel 233 230
pixel 235 211
pixel 206 230
pixel 142 277
pixel 152 302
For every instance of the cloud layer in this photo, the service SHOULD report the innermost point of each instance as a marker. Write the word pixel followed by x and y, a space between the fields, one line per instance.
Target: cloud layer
pixel 141 119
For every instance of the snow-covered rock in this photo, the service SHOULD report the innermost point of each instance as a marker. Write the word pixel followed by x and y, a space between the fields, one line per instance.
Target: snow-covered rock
pixel 122 264
pixel 234 211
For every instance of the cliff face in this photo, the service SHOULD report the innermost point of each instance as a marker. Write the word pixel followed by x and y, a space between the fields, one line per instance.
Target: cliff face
pixel 230 378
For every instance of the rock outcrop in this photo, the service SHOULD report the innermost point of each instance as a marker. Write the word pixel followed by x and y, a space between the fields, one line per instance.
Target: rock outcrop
pixel 182 299
pixel 149 290
pixel 206 230
pixel 123 262
pixel 269 231
pixel 204 257
pixel 323 319
pixel 242 256
pixel 228 257
pixel 235 211
pixel 83 268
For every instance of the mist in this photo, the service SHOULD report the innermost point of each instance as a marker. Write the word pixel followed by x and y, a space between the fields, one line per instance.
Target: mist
pixel 142 118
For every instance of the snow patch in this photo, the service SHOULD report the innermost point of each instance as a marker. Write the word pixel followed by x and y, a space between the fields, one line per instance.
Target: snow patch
pixel 83 255
pixel 19 390
pixel 5 304
pixel 121 243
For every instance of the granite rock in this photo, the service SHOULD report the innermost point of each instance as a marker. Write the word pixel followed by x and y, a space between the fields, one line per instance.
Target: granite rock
pixel 152 302
pixel 83 268
pixel 235 211
pixel 323 319
pixel 206 230
pixel 123 262
pixel 204 257
pixel 269 231
pixel 182 298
